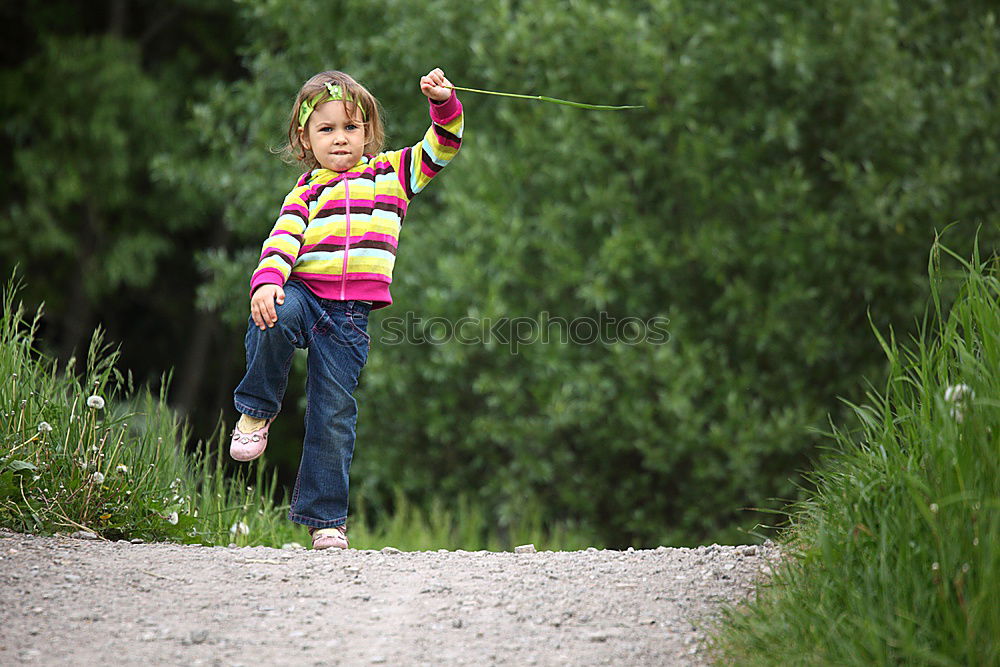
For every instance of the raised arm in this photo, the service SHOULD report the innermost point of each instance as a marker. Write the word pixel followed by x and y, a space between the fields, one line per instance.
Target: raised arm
pixel 421 162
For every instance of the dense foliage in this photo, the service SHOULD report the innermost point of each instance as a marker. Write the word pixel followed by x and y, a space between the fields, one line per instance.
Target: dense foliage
pixel 786 175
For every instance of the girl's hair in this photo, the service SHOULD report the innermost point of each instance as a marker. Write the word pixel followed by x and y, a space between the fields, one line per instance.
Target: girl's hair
pixel 371 119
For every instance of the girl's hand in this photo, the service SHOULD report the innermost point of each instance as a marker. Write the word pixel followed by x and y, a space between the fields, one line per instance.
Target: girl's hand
pixel 262 305
pixel 433 85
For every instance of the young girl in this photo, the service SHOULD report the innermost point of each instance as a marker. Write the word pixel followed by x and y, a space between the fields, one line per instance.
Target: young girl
pixel 328 262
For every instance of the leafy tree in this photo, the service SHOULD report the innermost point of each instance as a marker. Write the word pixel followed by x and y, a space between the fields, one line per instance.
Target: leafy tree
pixel 93 96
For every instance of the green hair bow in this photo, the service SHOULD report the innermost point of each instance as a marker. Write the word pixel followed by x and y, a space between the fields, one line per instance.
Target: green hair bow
pixel 334 93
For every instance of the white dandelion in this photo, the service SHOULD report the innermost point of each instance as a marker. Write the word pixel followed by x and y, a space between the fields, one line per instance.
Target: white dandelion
pixel 45 427
pixel 959 396
pixel 239 528
pixel 122 469
pixel 97 477
pixel 95 402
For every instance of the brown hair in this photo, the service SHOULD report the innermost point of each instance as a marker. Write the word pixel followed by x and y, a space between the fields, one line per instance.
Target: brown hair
pixel 294 151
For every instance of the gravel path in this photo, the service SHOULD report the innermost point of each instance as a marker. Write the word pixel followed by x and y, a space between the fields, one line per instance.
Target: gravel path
pixel 67 601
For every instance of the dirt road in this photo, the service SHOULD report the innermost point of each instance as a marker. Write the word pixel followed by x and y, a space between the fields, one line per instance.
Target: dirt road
pixel 66 601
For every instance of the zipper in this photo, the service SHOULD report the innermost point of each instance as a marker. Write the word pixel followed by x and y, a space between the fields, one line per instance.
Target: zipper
pixel 347 237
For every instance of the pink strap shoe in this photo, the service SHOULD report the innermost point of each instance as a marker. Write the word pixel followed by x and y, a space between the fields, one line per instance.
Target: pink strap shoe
pixel 325 538
pixel 248 446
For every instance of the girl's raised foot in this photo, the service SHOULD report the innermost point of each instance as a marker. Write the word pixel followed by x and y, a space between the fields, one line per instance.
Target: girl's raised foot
pixel 248 445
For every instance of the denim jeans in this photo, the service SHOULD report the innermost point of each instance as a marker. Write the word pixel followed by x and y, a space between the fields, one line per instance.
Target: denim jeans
pixel 335 333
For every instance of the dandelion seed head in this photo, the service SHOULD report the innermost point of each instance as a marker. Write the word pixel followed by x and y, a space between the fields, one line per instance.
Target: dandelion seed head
pixel 122 468
pixel 934 508
pixel 975 541
pixel 959 395
pixel 957 392
pixel 44 427
pixel 95 402
pixel 97 477
pixel 935 566
pixel 239 528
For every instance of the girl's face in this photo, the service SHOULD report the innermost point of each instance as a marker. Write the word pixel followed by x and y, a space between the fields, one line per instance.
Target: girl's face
pixel 336 139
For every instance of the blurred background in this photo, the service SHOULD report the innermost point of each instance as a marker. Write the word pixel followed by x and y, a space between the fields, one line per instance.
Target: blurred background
pixel 774 200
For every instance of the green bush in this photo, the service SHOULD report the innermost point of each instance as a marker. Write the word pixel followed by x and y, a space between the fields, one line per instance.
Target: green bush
pixel 789 170
pixel 895 559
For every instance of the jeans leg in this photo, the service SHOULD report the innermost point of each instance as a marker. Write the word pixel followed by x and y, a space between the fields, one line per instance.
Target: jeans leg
pixel 337 354
pixel 269 356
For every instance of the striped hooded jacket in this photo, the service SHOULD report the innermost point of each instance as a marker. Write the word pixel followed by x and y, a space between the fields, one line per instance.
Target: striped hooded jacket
pixel 337 233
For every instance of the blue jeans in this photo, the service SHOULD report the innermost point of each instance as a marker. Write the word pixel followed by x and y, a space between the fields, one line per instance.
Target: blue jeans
pixel 335 332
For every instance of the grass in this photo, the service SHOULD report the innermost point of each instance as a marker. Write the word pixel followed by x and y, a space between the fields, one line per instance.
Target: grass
pixel 896 557
pixel 91 453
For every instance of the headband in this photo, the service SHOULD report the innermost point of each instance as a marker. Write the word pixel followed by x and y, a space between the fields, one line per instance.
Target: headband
pixel 333 94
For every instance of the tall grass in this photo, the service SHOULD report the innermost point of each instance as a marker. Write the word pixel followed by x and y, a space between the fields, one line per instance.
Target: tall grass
pixel 88 453
pixel 91 453
pixel 896 558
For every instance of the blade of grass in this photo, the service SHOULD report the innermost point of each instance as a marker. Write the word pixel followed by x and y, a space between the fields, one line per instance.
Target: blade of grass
pixel 554 100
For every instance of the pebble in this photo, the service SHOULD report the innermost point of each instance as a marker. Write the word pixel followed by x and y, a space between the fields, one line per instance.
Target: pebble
pixel 390 551
pixel 750 551
pixel 84 535
pixel 72 578
pixel 525 549
pixel 136 540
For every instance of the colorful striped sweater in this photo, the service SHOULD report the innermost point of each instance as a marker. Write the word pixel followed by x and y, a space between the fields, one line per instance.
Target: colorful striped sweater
pixel 337 233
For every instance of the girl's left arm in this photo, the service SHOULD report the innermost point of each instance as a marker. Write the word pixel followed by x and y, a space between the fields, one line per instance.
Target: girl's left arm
pixel 419 163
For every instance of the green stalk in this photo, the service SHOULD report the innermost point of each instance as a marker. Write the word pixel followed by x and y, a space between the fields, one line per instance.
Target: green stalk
pixel 543 98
